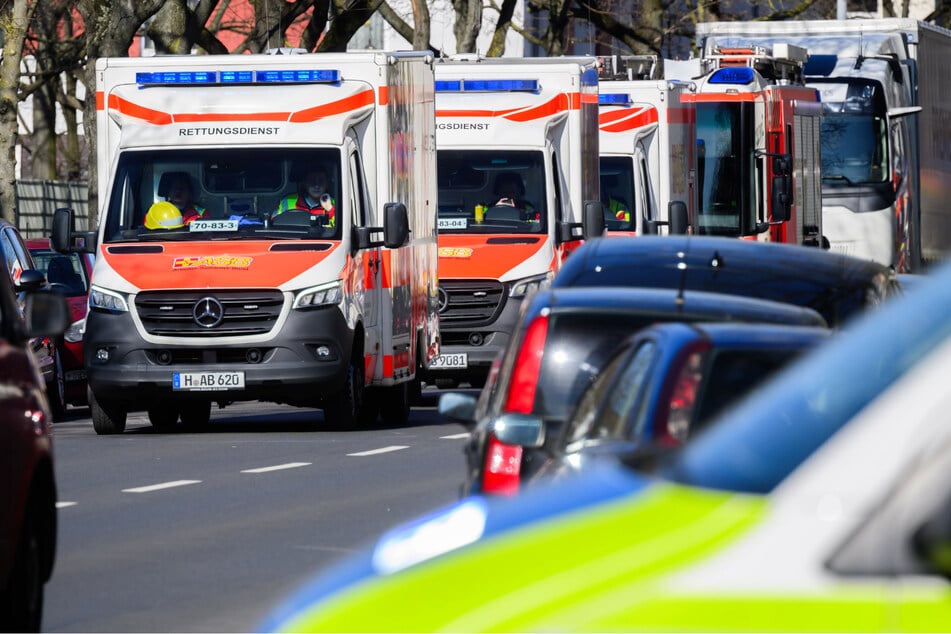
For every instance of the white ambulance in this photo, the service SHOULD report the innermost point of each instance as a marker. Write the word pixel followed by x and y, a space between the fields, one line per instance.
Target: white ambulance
pixel 518 191
pixel 648 147
pixel 267 294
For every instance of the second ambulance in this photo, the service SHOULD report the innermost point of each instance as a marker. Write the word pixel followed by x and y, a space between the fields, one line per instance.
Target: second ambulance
pixel 518 191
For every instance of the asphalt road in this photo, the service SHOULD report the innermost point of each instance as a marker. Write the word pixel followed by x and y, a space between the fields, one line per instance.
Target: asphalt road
pixel 207 532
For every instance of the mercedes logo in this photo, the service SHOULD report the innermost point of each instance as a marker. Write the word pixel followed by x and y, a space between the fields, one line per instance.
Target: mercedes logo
pixel 443 302
pixel 208 312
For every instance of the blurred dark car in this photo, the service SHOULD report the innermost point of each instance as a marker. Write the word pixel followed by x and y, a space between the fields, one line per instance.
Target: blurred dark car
pixel 27 481
pixel 24 277
pixel 838 286
pixel 68 274
pixel 666 382
pixel 561 342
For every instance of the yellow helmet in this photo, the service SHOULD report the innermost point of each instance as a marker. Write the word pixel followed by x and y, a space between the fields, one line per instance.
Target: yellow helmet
pixel 163 215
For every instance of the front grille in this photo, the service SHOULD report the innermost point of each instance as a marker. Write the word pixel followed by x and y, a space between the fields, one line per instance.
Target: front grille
pixel 244 312
pixel 471 302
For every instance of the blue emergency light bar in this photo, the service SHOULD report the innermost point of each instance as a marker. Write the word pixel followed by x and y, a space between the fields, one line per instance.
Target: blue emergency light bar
pixel 614 99
pixel 298 76
pixel 276 76
pixel 733 75
pixel 487 85
pixel 176 77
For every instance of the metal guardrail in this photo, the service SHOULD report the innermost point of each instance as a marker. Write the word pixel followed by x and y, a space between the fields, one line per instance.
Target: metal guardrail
pixel 38 199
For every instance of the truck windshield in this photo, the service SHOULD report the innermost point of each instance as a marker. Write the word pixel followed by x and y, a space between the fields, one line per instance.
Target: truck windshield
pixel 491 191
pixel 724 169
pixel 854 134
pixel 201 194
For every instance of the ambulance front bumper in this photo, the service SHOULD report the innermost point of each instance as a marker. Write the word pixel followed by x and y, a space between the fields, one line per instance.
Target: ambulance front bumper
pixel 307 359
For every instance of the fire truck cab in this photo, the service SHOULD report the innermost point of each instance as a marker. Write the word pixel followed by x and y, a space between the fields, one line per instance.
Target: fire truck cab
pixel 758 156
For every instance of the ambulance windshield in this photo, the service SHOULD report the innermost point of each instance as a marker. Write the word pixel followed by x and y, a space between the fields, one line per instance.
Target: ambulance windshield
pixel 491 191
pixel 201 194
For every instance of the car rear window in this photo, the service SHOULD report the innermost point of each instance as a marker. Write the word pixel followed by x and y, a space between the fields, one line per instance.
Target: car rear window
pixel 578 346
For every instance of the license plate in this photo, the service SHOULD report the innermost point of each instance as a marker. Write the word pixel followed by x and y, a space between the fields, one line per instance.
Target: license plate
pixel 450 361
pixel 207 381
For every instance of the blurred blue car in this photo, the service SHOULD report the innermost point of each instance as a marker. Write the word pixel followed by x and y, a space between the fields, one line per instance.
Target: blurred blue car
pixel 819 503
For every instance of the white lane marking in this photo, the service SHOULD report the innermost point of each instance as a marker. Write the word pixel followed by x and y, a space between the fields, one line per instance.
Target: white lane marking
pixel 162 485
pixel 373 452
pixel 278 467
pixel 455 436
pixel 62 505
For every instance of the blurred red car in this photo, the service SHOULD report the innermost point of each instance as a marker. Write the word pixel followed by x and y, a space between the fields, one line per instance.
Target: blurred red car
pixel 68 274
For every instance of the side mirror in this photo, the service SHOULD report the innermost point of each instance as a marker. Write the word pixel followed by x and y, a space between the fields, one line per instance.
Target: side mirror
pixel 781 199
pixel 593 219
pixel 520 429
pixel 458 407
pixel 64 236
pixel 395 225
pixel 45 314
pixel 31 280
pixel 679 220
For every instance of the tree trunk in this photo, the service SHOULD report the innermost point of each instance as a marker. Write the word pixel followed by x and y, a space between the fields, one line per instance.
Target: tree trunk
pixel 111 26
pixel 15 18
pixel 468 23
pixel 421 25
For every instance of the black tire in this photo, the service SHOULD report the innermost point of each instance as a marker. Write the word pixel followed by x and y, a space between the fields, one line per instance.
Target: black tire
pixel 347 409
pixel 195 414
pixel 163 417
pixel 56 389
pixel 108 417
pixel 396 402
pixel 21 604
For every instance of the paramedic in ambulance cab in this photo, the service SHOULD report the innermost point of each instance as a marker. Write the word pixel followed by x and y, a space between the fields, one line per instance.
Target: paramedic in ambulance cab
pixel 181 195
pixel 510 191
pixel 311 196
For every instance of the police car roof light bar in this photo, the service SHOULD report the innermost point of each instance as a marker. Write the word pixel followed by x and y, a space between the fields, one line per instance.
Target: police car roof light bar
pixel 275 76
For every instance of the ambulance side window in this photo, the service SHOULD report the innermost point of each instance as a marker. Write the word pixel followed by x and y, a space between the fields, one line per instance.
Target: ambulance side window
pixel 357 200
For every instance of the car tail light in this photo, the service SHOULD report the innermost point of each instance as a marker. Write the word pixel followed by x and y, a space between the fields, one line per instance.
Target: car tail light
pixel 503 466
pixel 520 398
pixel 683 397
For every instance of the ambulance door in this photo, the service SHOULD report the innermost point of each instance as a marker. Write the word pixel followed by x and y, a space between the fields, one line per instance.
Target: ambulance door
pixel 366 262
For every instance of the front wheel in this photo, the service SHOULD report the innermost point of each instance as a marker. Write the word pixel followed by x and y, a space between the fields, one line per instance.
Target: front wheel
pixel 396 401
pixel 108 417
pixel 347 408
pixel 56 389
pixel 21 604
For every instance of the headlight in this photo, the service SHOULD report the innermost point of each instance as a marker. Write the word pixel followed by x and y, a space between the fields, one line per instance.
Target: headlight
pixel 323 295
pixel 521 288
pixel 74 334
pixel 109 301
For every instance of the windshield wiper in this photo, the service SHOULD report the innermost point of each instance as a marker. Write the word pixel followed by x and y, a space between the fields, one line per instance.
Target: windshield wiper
pixel 838 177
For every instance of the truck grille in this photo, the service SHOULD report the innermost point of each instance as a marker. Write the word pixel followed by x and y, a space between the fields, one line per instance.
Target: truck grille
pixel 470 303
pixel 219 313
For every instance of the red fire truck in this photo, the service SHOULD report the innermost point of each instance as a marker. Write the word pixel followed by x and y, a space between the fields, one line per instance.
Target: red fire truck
pixel 758 162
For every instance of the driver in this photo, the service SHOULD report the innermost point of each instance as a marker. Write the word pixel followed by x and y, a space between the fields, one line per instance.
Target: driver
pixel 312 196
